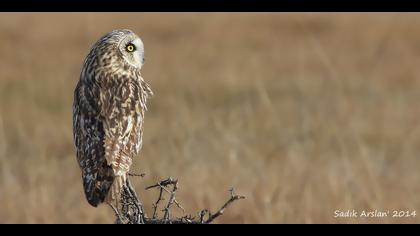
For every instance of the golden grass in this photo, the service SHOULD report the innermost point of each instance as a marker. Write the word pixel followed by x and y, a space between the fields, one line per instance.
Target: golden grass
pixel 303 114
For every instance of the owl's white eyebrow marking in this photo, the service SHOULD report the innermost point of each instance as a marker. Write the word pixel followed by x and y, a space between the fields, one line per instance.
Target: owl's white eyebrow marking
pixel 139 44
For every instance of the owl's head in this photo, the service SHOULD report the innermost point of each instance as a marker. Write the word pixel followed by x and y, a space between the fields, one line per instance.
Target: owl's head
pixel 120 46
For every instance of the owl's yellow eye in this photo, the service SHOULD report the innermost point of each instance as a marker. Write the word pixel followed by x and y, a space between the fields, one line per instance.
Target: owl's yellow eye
pixel 130 47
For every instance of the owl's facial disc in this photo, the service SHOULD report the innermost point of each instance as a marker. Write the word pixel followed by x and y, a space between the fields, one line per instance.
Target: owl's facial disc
pixel 132 50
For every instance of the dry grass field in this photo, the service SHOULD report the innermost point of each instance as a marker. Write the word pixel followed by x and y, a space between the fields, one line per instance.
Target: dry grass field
pixel 304 114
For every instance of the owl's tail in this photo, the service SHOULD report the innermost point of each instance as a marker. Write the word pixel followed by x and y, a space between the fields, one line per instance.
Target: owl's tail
pixel 114 194
pixel 97 189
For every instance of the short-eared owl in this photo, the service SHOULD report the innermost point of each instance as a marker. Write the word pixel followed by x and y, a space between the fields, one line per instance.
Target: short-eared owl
pixel 108 113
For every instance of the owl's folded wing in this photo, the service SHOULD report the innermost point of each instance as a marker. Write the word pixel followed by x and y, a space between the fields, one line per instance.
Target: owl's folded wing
pixel 119 119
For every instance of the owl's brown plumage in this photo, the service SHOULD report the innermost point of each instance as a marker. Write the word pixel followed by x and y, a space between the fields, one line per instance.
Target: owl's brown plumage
pixel 108 113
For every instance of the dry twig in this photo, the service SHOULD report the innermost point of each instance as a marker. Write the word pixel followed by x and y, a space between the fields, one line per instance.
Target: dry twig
pixel 137 175
pixel 220 212
pixel 132 209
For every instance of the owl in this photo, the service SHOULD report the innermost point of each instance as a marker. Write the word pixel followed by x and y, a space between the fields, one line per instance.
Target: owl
pixel 108 113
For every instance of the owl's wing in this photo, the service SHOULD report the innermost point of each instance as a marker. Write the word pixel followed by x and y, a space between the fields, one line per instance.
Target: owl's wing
pixel 121 116
pixel 89 138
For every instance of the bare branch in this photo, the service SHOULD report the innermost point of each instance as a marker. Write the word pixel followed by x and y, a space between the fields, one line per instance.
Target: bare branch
pixel 163 183
pixel 163 187
pixel 171 200
pixel 155 206
pixel 119 219
pixel 137 175
pixel 220 212
pixel 202 214
pixel 131 210
pixel 179 205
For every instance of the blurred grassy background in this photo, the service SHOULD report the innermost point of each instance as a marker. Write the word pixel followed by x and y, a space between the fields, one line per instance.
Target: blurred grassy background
pixel 303 114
